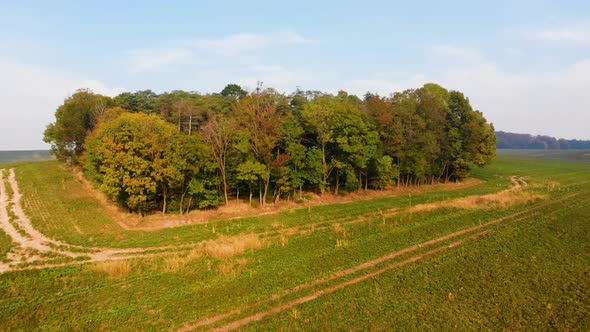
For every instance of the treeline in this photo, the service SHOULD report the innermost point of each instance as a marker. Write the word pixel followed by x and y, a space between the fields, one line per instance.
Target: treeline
pixel 505 140
pixel 182 150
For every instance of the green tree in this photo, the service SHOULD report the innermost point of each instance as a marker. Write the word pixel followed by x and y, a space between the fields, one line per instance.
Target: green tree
pixel 145 101
pixel 73 122
pixel 319 117
pixel 233 92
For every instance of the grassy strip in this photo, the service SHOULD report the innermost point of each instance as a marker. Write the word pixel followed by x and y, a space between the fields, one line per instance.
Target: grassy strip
pixel 5 245
pixel 5 240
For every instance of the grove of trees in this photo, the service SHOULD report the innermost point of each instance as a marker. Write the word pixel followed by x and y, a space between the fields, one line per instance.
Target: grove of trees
pixel 506 140
pixel 179 151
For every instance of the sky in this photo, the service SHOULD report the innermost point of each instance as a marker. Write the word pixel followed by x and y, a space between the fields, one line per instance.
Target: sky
pixel 524 64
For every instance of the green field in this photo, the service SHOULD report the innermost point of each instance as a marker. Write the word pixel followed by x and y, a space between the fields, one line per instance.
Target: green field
pixel 517 259
pixel 28 155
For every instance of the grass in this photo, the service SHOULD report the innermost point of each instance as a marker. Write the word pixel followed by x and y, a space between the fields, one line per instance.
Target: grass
pixel 570 155
pixel 537 282
pixel 11 156
pixel 5 245
pixel 113 269
pixel 525 275
pixel 5 241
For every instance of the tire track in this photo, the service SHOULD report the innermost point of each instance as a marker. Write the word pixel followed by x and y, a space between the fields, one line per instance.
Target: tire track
pixel 520 215
pixel 260 315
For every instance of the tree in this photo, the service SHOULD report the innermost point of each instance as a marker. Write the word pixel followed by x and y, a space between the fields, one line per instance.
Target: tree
pixel 387 123
pixel 182 149
pixel 251 173
pixel 475 136
pixel 145 101
pixel 319 117
pixel 219 132
pixel 73 122
pixel 233 92
pixel 128 156
pixel 261 115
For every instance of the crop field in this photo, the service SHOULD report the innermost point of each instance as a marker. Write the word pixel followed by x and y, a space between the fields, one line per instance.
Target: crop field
pixel 31 155
pixel 511 251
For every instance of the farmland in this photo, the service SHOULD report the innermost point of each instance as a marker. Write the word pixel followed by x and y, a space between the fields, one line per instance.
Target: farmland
pixel 511 251
pixel 11 156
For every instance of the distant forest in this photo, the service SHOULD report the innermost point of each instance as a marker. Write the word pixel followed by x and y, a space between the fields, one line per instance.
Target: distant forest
pixel 182 150
pixel 506 140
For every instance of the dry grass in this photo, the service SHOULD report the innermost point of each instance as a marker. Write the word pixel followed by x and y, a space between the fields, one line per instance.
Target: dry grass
pixel 231 267
pixel 500 199
pixel 113 269
pixel 342 243
pixel 223 246
pixel 176 262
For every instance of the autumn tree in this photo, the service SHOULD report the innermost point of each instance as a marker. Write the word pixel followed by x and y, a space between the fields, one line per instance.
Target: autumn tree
pixel 260 115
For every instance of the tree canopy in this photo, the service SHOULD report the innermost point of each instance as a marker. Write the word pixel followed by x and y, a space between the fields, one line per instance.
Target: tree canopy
pixel 182 150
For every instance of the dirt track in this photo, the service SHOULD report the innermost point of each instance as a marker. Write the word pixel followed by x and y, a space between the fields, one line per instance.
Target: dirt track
pixel 33 250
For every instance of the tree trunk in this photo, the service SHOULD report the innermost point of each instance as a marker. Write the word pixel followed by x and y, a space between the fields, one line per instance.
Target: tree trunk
pixel 260 192
pixel 224 185
pixel 165 194
pixel 190 203
pixel 360 180
pixel 266 186
pixel 182 202
pixel 190 124
pixel 179 128
pixel 324 169
pixel 337 182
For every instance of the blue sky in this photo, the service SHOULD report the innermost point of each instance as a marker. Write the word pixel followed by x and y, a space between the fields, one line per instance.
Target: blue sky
pixel 525 64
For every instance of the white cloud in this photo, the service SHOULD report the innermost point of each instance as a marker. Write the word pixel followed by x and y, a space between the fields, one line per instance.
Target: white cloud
pixel 30 96
pixel 206 51
pixel 240 43
pixel 383 87
pixel 552 102
pixel 457 54
pixel 577 33
pixel 273 76
pixel 149 59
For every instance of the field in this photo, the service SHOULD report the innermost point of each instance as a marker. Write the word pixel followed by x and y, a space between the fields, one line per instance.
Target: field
pixel 509 252
pixel 29 155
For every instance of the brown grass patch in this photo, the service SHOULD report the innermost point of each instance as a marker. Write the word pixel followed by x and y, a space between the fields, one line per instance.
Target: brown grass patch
pixel 231 267
pixel 223 246
pixel 113 269
pixel 500 199
pixel 176 262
